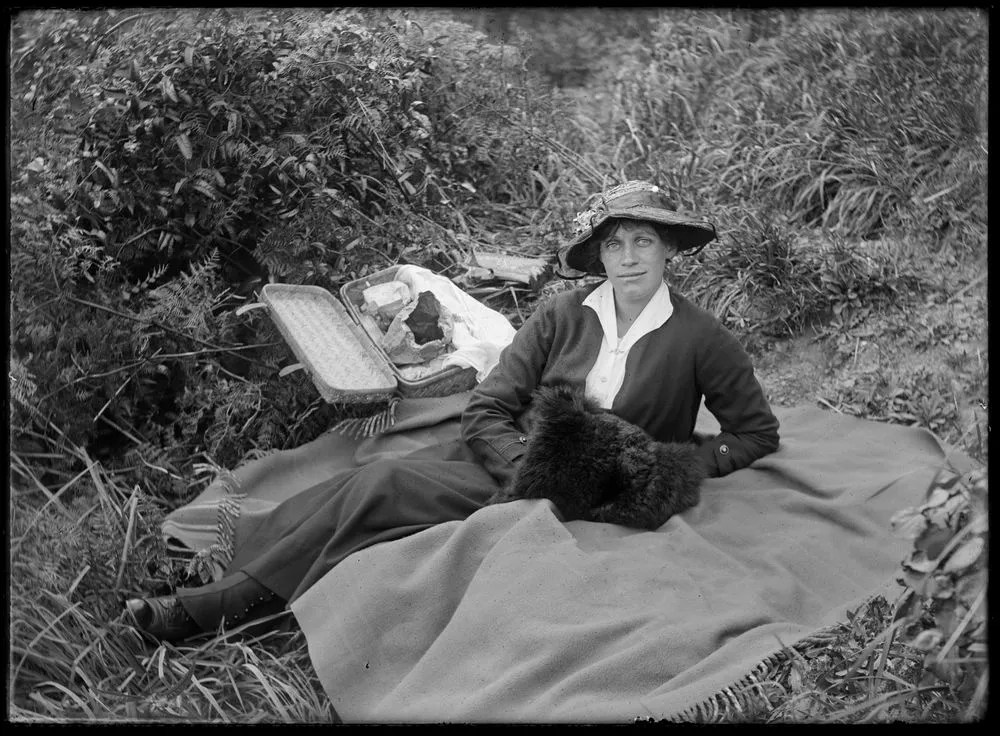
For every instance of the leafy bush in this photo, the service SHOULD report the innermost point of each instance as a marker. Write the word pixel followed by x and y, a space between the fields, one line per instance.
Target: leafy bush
pixel 250 137
pixel 193 156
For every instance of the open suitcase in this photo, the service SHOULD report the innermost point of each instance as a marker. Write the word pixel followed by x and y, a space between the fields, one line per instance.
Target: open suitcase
pixel 341 349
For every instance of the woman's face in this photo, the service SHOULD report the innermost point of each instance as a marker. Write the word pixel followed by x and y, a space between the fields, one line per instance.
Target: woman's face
pixel 634 256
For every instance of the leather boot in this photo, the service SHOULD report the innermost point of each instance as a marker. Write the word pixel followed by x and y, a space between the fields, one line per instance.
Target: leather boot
pixel 232 602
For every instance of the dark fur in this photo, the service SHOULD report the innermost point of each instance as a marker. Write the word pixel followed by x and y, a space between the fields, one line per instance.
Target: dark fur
pixel 595 466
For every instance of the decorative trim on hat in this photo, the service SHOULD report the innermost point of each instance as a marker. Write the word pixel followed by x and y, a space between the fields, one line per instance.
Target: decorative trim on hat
pixel 585 221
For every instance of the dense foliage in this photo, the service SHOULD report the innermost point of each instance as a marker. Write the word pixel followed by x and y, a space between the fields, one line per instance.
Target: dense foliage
pixel 830 118
pixel 167 163
pixel 194 156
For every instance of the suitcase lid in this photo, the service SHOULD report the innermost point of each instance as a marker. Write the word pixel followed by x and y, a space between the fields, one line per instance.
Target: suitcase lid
pixel 342 362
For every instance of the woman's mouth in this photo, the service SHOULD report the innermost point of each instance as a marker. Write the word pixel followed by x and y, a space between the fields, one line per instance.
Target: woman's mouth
pixel 631 275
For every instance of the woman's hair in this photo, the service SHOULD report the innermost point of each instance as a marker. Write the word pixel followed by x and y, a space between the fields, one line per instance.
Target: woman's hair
pixel 609 227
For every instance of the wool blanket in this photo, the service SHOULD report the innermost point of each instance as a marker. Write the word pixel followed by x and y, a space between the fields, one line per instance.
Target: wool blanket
pixel 514 615
pixel 234 502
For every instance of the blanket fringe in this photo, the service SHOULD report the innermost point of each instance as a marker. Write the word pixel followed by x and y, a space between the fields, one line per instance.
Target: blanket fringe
pixel 210 563
pixel 229 514
pixel 363 427
pixel 748 692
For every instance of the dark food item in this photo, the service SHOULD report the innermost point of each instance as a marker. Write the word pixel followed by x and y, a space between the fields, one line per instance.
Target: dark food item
pixel 420 332
pixel 424 320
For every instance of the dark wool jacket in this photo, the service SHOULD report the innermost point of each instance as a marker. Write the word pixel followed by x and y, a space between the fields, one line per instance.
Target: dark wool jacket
pixel 667 373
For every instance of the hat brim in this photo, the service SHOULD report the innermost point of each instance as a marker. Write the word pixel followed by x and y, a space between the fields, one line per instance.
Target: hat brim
pixel 690 234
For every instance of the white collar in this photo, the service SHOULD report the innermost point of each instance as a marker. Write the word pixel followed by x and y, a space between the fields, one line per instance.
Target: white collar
pixel 656 312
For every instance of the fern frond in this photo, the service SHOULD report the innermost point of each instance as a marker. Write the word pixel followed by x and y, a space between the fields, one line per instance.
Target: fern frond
pixel 155 275
pixel 21 382
pixel 187 301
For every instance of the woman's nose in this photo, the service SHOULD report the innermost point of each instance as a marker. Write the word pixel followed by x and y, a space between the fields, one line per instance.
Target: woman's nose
pixel 629 253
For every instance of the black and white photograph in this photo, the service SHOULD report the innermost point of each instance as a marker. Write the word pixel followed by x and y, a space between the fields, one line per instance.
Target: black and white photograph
pixel 498 366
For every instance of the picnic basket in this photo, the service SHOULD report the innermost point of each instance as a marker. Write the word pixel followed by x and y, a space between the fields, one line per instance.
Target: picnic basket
pixel 450 380
pixel 343 363
pixel 340 347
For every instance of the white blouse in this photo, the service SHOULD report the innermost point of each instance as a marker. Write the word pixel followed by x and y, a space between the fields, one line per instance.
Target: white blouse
pixel 606 377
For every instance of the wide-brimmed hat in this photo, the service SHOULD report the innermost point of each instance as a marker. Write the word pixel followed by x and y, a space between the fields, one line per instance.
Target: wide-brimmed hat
pixel 634 200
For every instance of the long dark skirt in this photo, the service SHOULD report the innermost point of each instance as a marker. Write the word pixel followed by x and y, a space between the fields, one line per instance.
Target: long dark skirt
pixel 297 543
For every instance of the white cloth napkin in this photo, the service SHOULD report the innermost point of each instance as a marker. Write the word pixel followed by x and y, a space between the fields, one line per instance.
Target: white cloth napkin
pixel 480 333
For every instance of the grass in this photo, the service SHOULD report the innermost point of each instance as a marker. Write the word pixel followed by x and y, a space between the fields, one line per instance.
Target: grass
pixel 74 656
pixel 862 673
pixel 843 158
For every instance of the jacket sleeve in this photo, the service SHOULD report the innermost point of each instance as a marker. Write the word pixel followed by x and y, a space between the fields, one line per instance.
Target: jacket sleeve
pixel 736 399
pixel 490 420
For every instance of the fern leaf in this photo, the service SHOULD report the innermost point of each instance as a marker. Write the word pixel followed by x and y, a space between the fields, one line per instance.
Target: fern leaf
pixel 22 384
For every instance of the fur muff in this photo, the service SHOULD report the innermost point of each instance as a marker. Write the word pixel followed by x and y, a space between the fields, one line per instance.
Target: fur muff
pixel 594 465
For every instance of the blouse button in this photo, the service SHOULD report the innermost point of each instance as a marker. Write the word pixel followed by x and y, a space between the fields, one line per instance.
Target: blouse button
pixel 724 449
pixel 604 379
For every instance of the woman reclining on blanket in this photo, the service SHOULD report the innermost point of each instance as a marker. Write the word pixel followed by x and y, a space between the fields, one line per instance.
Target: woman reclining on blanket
pixel 634 346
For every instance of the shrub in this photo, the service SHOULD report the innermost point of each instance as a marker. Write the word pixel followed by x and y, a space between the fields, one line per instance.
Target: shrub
pixel 191 156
